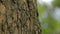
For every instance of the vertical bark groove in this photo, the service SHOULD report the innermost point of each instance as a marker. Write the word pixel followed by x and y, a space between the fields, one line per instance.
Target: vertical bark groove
pixel 19 17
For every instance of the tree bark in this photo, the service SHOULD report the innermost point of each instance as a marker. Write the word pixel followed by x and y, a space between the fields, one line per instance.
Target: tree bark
pixel 19 17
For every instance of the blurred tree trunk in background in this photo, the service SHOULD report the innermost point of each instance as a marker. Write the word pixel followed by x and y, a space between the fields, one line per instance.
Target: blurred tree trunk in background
pixel 19 17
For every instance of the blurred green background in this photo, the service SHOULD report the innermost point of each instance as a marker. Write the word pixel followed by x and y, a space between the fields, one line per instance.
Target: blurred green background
pixel 49 16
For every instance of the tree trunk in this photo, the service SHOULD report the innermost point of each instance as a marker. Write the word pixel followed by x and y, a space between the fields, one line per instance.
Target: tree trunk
pixel 19 17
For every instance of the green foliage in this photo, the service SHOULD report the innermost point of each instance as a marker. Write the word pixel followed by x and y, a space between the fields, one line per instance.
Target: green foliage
pixel 56 3
pixel 51 27
pixel 53 23
pixel 41 9
pixel 49 24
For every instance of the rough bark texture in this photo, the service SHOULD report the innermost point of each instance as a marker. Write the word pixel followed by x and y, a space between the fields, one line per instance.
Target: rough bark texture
pixel 19 17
